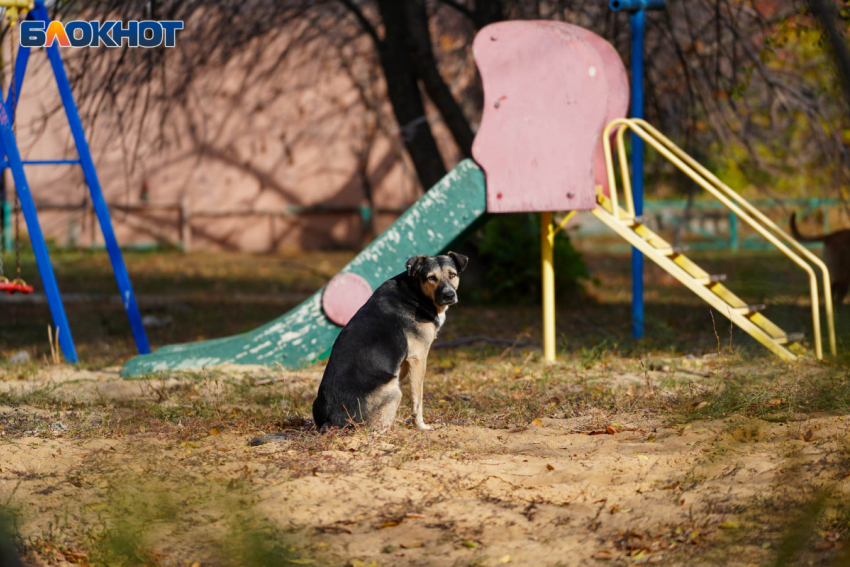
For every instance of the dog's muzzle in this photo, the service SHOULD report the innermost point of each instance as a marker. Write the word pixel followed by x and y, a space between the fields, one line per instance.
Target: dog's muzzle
pixel 447 298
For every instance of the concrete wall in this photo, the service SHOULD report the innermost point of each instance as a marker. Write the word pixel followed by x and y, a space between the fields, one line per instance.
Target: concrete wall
pixel 235 144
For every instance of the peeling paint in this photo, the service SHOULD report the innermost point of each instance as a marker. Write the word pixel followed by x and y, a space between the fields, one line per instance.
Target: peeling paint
pixel 297 338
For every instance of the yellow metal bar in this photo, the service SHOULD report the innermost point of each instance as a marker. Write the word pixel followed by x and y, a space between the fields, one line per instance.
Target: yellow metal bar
pixel 625 174
pixel 547 243
pixel 16 8
pixel 563 223
pixel 609 166
pixel 720 195
pixel 827 288
pixel 688 281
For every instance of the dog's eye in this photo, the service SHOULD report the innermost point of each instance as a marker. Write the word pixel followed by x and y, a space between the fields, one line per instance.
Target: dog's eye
pixel 452 276
pixel 433 279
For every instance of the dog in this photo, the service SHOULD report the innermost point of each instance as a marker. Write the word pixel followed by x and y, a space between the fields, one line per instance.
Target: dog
pixel 386 342
pixel 836 255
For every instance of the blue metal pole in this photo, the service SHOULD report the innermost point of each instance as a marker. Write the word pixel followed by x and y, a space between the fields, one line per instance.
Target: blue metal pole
pixel 128 298
pixel 637 21
pixel 48 278
pixel 21 59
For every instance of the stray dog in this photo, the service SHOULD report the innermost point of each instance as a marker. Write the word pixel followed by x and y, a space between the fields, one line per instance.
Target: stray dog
pixel 388 341
pixel 836 255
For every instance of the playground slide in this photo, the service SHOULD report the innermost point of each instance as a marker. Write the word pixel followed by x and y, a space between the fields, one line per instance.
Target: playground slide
pixel 444 217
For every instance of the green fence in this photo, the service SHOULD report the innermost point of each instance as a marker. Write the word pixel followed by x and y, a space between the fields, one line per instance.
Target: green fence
pixel 717 228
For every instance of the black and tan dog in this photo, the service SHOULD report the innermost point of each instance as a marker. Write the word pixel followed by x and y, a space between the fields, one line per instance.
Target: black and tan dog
pixel 386 342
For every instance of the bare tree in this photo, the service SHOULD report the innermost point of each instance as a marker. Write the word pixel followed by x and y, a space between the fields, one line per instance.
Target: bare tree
pixel 728 78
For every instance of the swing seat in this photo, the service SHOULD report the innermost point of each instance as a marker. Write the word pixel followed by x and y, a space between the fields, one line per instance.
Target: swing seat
pixel 15 286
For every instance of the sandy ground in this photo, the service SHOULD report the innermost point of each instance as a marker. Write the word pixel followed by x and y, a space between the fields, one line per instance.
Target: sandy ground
pixel 621 488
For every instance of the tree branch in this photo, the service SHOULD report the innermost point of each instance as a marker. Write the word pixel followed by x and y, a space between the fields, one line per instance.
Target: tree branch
pixel 459 7
pixel 364 21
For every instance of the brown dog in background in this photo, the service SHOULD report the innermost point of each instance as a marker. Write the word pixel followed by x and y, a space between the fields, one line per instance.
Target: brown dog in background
pixel 836 254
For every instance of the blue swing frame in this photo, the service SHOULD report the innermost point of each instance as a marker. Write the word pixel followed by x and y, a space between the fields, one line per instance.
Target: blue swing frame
pixel 12 160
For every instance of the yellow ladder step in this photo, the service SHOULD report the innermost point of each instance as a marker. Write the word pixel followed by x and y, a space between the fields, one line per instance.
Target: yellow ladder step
pixel 633 221
pixel 790 338
pixel 708 280
pixel 750 309
pixel 673 250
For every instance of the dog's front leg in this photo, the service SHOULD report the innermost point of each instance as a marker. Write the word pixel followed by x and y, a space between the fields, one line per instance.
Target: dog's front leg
pixel 416 374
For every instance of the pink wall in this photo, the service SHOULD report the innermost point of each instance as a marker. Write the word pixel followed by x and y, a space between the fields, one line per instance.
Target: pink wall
pixel 296 139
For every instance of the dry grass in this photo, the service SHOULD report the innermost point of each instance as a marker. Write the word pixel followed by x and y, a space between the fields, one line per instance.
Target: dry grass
pixel 682 450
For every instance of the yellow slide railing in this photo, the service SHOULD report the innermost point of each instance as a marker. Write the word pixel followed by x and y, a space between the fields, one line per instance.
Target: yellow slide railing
pixel 731 199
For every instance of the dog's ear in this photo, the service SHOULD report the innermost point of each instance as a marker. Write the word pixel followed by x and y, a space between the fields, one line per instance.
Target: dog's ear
pixel 460 260
pixel 414 263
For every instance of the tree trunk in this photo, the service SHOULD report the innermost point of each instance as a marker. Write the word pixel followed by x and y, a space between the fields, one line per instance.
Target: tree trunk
pixel 487 12
pixel 419 40
pixel 404 94
pixel 827 15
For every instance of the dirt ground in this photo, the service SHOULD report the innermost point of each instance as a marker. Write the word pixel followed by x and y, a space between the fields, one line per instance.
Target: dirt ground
pixel 693 447
pixel 698 460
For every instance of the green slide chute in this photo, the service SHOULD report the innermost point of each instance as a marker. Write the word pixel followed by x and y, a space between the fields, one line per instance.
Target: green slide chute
pixel 442 218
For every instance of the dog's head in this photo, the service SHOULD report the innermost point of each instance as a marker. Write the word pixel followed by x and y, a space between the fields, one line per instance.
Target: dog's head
pixel 438 276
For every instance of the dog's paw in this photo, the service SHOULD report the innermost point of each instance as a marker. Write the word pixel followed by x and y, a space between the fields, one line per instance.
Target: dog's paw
pixel 423 427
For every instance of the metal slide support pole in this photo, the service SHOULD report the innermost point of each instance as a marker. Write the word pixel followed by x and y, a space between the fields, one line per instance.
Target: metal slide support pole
pixel 128 298
pixel 547 244
pixel 39 247
pixel 637 21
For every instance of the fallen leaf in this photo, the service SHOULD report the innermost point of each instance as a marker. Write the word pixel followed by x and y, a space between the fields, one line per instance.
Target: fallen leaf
pixel 549 467
pixel 536 423
pixel 610 430
pixel 808 436
pixel 390 524
pixel 471 544
pixel 505 559
pixel 701 405
pixel 643 457
pixel 517 429
pixel 215 431
pixel 412 544
pixel 72 557
pixel 415 515
pixel 603 554
pixel 730 525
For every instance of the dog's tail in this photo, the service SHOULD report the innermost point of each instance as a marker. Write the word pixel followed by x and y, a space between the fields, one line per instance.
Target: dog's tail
pixel 800 237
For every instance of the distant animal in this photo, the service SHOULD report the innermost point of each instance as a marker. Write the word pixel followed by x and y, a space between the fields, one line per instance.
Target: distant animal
pixel 386 342
pixel 836 255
